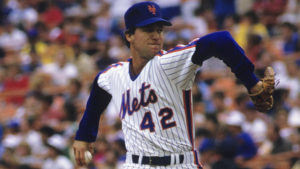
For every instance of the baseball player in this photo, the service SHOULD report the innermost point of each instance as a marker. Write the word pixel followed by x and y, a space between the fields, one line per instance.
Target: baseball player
pixel 153 91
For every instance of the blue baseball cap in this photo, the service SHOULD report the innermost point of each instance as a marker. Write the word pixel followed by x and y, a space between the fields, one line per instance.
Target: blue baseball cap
pixel 142 14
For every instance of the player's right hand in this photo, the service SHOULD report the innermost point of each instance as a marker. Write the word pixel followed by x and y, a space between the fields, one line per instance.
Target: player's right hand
pixel 80 147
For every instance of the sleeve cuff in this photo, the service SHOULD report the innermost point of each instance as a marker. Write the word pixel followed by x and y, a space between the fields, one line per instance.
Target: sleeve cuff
pixel 249 79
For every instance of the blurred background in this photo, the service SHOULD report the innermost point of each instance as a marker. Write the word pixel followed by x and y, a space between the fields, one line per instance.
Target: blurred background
pixel 51 50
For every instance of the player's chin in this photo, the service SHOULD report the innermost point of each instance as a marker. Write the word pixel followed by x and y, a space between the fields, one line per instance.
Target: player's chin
pixel 150 56
pixel 155 50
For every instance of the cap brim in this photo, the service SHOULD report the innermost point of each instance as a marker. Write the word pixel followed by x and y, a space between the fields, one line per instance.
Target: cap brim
pixel 153 20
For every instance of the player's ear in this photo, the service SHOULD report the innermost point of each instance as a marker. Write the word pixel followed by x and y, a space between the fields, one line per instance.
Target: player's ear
pixel 128 37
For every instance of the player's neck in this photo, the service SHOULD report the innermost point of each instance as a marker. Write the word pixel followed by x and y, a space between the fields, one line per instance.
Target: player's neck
pixel 138 64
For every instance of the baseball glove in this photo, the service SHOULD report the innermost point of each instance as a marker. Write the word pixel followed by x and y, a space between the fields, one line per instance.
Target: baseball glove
pixel 263 99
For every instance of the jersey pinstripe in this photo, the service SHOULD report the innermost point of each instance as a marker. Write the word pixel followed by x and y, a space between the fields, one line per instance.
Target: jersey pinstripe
pixel 155 107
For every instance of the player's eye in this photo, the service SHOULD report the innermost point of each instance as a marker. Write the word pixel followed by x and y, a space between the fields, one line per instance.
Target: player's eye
pixel 148 29
pixel 160 30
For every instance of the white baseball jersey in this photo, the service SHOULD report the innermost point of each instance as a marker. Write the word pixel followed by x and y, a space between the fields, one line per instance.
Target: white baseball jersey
pixel 156 105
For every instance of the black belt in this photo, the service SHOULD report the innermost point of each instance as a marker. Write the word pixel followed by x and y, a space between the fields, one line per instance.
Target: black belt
pixel 155 160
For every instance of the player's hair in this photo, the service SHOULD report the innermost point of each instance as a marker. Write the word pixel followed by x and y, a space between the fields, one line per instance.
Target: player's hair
pixel 129 31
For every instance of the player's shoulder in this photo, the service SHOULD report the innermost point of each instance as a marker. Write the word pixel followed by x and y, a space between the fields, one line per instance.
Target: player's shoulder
pixel 115 67
pixel 179 48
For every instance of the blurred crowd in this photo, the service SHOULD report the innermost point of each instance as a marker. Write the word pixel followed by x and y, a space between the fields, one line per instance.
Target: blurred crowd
pixel 51 50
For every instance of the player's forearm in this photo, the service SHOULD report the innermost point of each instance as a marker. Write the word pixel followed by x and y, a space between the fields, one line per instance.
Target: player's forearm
pixel 97 103
pixel 224 47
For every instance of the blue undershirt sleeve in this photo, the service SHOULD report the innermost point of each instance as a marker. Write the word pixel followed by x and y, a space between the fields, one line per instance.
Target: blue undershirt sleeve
pixel 223 46
pixel 96 104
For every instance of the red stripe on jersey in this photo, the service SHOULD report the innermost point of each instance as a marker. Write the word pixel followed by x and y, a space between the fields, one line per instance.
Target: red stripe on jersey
pixel 180 49
pixel 112 66
pixel 160 53
pixel 196 160
pixel 188 114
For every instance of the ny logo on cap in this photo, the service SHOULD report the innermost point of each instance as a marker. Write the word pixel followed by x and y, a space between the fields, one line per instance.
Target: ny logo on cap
pixel 152 9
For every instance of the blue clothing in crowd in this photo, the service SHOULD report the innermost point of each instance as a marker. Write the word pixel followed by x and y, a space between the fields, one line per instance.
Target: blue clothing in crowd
pixel 245 146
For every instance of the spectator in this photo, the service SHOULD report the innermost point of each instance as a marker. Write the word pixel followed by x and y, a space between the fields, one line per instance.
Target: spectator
pixel 24 14
pixel 12 38
pixel 255 124
pixel 74 99
pixel 207 150
pixel 290 39
pixel 52 16
pixel 294 114
pixel 222 9
pixel 34 63
pixel 15 85
pixel 279 144
pixel 245 146
pixel 13 136
pixel 250 24
pixel 61 70
pixel 55 155
pixel 269 11
pixel 225 152
pixel 104 59
pixel 221 109
pixel 84 62
pixel 101 147
pixel 24 156
pixel 281 121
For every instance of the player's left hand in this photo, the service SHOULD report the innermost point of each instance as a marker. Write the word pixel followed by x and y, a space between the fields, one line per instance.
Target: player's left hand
pixel 261 93
pixel 80 147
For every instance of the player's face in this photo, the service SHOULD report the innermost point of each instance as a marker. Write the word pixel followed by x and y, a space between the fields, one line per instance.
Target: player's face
pixel 147 41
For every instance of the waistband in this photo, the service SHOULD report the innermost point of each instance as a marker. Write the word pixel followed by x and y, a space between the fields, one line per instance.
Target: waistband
pixel 190 157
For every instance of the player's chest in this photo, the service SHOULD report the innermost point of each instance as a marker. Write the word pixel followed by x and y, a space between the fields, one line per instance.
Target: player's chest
pixel 148 106
pixel 137 97
pixel 142 90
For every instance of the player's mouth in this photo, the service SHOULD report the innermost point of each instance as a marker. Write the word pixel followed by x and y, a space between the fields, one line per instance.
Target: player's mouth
pixel 155 45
